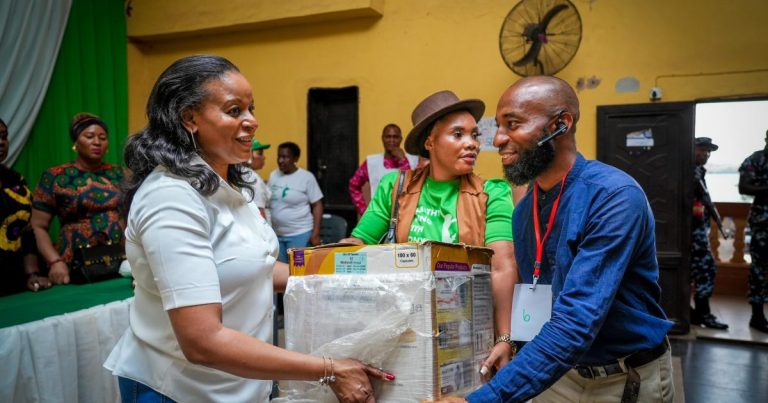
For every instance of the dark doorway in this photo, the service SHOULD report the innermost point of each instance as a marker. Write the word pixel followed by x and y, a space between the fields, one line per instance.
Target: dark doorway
pixel 332 139
pixel 654 144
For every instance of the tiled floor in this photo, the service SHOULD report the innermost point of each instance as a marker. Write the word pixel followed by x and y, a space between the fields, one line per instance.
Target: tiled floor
pixel 721 372
pixel 735 311
pixel 728 366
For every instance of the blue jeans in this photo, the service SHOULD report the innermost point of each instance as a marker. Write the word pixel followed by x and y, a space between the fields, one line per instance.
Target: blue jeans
pixel 292 241
pixel 135 392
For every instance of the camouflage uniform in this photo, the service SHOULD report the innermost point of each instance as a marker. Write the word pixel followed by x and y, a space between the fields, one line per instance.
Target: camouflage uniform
pixel 755 170
pixel 702 262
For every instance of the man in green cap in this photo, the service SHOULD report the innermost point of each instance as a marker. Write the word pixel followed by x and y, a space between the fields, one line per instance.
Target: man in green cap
pixel 262 192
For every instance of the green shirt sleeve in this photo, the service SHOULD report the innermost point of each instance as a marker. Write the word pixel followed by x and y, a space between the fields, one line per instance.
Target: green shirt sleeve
pixel 374 223
pixel 498 225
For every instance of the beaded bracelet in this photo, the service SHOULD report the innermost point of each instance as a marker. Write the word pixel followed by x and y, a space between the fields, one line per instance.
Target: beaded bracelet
pixel 54 261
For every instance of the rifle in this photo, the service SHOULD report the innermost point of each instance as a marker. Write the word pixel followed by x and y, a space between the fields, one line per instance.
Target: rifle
pixel 708 202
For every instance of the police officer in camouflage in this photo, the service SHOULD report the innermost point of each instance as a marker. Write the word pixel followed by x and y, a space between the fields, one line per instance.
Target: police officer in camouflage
pixel 703 266
pixel 753 181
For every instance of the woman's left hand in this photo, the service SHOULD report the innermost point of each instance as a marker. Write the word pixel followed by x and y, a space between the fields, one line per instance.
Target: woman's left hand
pixel 315 240
pixel 352 240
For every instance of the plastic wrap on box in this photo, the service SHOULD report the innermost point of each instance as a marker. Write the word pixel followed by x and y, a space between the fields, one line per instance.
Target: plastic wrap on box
pixel 482 322
pixel 421 326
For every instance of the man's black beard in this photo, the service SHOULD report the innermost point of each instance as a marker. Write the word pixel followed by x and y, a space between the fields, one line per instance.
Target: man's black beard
pixel 530 163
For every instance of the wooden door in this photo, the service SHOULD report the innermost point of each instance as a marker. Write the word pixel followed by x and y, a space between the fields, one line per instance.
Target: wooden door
pixel 332 140
pixel 654 144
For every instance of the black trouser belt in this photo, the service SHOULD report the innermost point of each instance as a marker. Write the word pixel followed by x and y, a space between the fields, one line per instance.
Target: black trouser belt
pixel 635 360
pixel 632 386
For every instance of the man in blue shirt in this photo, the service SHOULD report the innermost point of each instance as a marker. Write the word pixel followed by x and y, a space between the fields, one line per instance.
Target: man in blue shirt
pixel 606 337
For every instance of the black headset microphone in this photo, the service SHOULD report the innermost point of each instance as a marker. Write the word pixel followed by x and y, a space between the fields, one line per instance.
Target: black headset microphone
pixel 561 129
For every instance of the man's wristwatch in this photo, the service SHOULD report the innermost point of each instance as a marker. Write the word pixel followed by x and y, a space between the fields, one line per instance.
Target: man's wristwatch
pixel 506 338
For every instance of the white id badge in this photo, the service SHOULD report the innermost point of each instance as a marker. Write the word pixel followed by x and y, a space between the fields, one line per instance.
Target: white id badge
pixel 531 308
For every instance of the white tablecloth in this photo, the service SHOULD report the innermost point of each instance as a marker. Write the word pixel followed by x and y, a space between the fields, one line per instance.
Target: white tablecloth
pixel 59 359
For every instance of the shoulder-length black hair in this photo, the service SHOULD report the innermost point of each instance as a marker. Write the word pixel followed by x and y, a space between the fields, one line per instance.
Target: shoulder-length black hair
pixel 165 141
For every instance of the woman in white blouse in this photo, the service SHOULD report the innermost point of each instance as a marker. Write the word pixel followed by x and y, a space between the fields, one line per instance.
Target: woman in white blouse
pixel 202 255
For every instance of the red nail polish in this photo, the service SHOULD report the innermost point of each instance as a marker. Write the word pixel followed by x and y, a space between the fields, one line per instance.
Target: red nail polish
pixel 390 377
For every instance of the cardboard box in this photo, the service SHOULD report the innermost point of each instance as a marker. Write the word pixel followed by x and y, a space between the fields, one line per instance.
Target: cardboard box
pixel 421 311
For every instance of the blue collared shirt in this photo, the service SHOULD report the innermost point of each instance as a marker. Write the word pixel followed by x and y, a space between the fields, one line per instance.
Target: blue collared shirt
pixel 601 261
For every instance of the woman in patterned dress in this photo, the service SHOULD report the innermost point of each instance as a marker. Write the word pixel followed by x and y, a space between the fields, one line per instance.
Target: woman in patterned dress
pixel 84 194
pixel 17 243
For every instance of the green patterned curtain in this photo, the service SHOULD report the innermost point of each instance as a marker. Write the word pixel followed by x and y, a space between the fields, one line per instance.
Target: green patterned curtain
pixel 90 76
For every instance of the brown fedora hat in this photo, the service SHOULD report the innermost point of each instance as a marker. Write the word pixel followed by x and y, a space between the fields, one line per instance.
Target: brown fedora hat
pixel 432 108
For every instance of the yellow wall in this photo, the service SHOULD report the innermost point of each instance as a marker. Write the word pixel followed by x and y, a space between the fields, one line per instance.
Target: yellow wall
pixel 417 47
pixel 155 20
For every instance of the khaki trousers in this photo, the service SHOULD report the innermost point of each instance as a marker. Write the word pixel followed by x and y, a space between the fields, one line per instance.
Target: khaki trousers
pixel 655 385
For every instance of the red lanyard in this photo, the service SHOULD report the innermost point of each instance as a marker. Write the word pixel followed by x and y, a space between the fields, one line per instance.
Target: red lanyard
pixel 539 240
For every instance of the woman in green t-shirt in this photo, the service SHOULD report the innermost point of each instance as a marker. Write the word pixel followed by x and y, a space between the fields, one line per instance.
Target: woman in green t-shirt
pixel 445 201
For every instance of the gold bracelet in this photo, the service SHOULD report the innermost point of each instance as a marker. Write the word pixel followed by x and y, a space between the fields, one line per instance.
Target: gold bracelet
pixel 506 338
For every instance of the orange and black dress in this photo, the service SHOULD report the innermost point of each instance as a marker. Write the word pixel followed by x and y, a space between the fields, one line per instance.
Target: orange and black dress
pixel 86 203
pixel 16 237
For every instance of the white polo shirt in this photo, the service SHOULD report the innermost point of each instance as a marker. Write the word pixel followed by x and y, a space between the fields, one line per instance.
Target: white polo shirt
pixel 188 249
